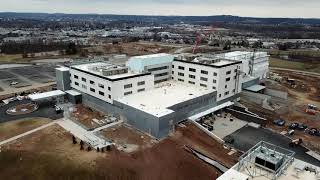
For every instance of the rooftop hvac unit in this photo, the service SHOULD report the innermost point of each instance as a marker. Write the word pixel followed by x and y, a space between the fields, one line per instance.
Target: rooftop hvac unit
pixel 269 160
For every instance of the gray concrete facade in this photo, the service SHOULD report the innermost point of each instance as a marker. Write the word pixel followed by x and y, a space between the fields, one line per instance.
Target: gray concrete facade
pixel 63 80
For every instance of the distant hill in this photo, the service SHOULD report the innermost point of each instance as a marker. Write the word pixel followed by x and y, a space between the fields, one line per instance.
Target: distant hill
pixel 160 19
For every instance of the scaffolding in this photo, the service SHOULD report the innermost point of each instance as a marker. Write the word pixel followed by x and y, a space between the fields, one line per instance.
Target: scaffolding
pixel 279 156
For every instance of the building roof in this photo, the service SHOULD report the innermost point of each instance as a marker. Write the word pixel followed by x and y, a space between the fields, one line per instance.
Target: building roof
pixel 95 70
pixel 46 95
pixel 158 100
pixel 255 88
pixel 62 68
pixel 73 93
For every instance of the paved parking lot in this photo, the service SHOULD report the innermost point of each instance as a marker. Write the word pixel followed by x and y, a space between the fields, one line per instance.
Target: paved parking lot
pixel 45 110
pixel 28 76
pixel 247 137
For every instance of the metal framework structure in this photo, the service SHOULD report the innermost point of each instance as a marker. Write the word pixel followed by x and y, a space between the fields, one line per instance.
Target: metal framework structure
pixel 247 160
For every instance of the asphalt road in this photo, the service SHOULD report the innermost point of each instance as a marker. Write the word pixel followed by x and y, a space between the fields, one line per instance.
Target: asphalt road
pixel 45 110
pixel 247 137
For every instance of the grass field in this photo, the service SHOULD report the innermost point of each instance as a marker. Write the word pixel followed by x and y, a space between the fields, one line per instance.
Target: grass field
pixel 5 58
pixel 310 67
pixel 13 128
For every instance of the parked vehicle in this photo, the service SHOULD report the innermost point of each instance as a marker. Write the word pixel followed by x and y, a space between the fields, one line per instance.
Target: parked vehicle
pixel 294 126
pixel 279 122
pixel 314 132
pixel 302 127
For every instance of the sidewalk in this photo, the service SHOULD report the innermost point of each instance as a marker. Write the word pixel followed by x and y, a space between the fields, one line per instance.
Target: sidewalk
pixel 26 133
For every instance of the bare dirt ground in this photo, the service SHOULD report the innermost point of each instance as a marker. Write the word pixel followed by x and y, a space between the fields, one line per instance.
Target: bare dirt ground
pixel 13 128
pixel 85 115
pixel 131 49
pixel 306 91
pixel 50 154
pixel 128 139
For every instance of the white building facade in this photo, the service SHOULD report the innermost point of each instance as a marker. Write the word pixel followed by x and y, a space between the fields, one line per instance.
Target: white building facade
pixel 223 78
pixel 108 88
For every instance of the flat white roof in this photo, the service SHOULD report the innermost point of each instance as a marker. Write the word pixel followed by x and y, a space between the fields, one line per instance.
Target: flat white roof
pixel 157 100
pixel 152 55
pixel 232 174
pixel 294 171
pixel 73 92
pixel 46 95
pixel 62 68
pixel 89 68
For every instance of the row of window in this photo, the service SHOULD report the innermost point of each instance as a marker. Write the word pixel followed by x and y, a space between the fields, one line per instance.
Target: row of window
pixel 141 83
pixel 130 92
pixel 91 82
pixel 194 70
pixel 162 74
pixel 92 89
pixel 158 68
pixel 203 71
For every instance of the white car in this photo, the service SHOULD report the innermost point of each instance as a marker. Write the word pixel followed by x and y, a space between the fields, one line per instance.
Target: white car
pixel 14 83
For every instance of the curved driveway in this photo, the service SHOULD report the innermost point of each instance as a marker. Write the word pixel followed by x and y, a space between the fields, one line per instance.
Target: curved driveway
pixel 46 110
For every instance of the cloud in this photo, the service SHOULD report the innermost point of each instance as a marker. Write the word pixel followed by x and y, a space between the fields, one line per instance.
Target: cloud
pixel 260 8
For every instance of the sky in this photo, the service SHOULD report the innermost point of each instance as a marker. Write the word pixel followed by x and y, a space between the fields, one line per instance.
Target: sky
pixel 252 8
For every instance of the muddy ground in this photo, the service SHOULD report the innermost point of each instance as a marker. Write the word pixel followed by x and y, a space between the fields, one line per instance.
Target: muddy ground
pixel 306 91
pixel 50 154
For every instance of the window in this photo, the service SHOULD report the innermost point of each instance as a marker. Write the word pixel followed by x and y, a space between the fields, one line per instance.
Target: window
pixel 219 95
pixel 235 77
pixel 203 79
pixel 101 86
pixel 215 74
pixel 127 93
pixel 204 72
pixel 191 82
pixel 101 93
pixel 92 90
pixel 192 70
pixel 84 79
pixel 192 76
pixel 141 83
pixel 172 66
pixel 203 85
pixel 227 79
pixel 181 80
pixel 226 86
pixel 226 93
pixel 160 81
pixel 91 82
pixel 76 77
pixel 158 68
pixel 140 90
pixel 162 74
pixel 109 96
pixel 84 86
pixel 181 67
pixel 181 74
pixel 127 86
pixel 109 88
pixel 228 72
pixel 214 87
pixel 76 83
pixel 235 70
pixel 172 72
pixel 234 90
pixel 214 81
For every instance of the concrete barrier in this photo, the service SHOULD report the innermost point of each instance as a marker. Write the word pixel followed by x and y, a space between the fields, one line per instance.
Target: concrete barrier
pixel 276 93
pixel 247 116
pixel 208 132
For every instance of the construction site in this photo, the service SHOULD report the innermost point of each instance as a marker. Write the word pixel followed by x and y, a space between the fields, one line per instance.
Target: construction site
pixel 82 141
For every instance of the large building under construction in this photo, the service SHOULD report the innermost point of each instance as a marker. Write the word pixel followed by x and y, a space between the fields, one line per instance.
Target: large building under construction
pixel 154 92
